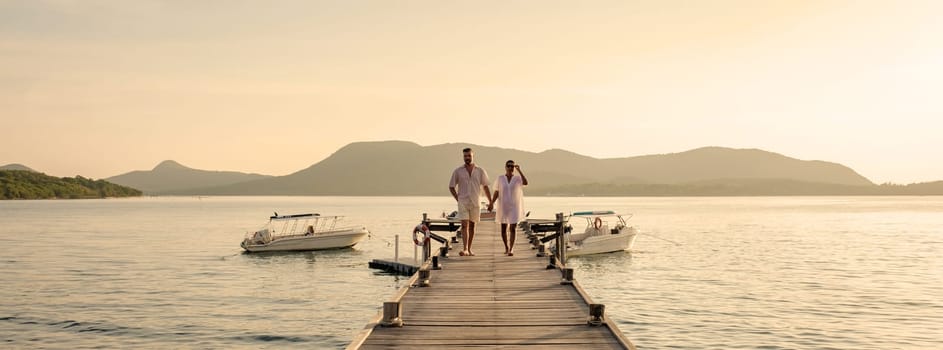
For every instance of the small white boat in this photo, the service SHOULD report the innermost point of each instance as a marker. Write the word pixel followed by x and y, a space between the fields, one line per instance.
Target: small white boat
pixel 606 232
pixel 303 232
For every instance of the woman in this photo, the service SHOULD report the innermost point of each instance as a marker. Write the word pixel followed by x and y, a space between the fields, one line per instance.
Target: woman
pixel 509 203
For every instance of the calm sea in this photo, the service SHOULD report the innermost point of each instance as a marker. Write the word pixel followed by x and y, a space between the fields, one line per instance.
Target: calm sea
pixel 707 273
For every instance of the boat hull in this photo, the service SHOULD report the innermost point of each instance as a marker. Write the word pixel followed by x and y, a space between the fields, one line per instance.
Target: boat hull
pixel 603 244
pixel 322 241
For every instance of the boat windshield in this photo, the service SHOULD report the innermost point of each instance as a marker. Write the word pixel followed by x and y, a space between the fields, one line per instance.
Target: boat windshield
pixel 605 216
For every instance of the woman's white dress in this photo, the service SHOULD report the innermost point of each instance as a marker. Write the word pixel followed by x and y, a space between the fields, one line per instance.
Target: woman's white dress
pixel 509 208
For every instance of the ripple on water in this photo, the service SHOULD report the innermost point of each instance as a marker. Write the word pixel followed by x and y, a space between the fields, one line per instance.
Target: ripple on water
pixel 749 273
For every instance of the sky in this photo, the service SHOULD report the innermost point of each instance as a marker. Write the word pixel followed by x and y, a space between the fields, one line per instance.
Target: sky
pixel 101 88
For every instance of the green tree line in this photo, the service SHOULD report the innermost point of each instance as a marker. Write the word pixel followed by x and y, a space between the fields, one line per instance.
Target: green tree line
pixel 18 184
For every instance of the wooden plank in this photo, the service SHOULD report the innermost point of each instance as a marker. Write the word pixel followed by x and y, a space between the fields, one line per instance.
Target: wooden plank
pixel 593 343
pixel 509 346
pixel 510 332
pixel 492 300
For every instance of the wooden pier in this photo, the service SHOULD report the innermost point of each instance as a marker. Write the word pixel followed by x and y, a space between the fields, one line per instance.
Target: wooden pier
pixel 492 300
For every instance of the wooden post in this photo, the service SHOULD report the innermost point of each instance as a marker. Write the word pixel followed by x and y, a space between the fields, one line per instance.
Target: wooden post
pixel 426 250
pixel 541 251
pixel 396 243
pixel 435 263
pixel 567 276
pixel 392 311
pixel 426 244
pixel 444 251
pixel 553 262
pixel 424 275
pixel 561 240
pixel 596 314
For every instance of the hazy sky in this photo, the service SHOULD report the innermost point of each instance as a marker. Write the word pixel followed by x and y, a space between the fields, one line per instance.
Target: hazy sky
pixel 100 88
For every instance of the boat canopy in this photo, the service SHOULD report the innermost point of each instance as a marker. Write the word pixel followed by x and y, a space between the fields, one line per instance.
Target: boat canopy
pixel 292 217
pixel 594 213
pixel 301 224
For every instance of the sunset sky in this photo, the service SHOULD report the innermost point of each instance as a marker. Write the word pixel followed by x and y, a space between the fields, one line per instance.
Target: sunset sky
pixel 100 88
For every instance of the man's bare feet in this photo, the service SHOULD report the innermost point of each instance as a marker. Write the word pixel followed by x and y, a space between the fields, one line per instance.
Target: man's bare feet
pixel 471 253
pixel 510 253
pixel 461 253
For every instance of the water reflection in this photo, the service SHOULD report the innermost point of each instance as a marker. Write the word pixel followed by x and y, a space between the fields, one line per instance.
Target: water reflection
pixel 751 273
pixel 601 261
pixel 309 257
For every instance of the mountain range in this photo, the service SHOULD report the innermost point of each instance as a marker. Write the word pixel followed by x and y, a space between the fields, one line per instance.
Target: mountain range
pixel 406 168
pixel 390 168
pixel 15 166
pixel 171 177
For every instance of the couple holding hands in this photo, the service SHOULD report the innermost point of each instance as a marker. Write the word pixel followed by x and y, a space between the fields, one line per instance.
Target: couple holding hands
pixel 465 185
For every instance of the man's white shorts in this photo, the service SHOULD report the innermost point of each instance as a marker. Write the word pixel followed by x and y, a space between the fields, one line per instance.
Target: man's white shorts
pixel 469 210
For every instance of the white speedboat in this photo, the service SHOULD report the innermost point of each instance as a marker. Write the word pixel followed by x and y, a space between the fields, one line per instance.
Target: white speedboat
pixel 303 232
pixel 606 231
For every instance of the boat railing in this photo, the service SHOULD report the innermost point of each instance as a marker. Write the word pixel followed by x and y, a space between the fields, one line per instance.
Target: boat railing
pixel 542 231
pixel 301 226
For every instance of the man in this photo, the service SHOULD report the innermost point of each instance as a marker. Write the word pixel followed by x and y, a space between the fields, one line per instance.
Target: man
pixel 469 179
pixel 509 195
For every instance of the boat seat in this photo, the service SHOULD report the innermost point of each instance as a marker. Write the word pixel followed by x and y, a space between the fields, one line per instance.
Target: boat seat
pixel 616 229
pixel 604 229
pixel 576 237
pixel 590 231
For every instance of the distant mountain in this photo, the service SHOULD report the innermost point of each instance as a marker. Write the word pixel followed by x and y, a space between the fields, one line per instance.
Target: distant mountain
pixel 720 187
pixel 713 163
pixel 406 168
pixel 172 177
pixel 23 184
pixel 15 166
